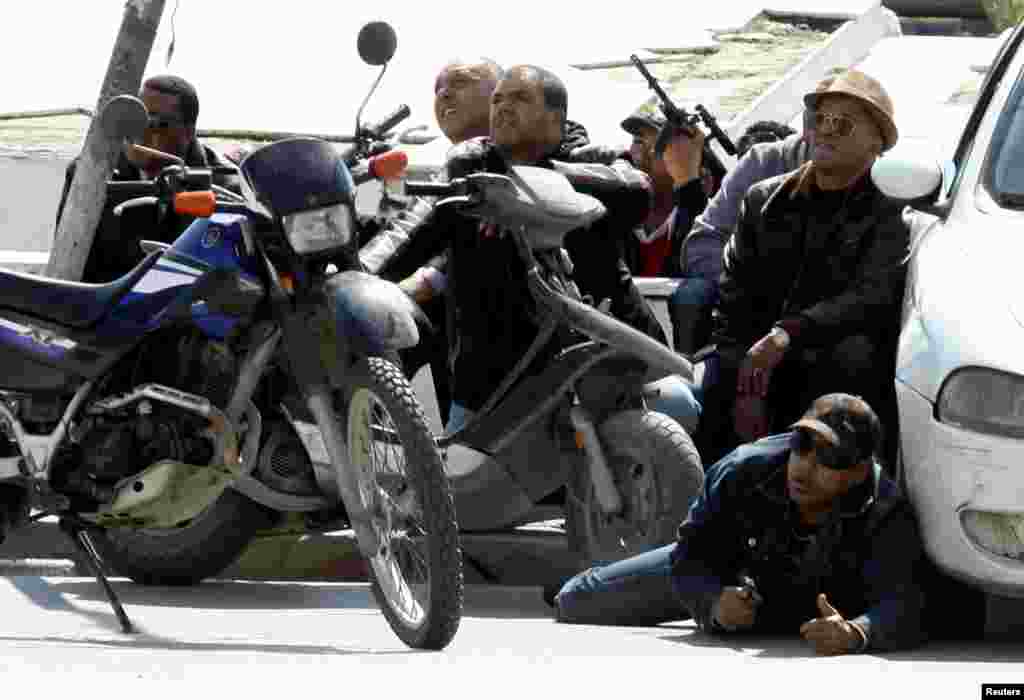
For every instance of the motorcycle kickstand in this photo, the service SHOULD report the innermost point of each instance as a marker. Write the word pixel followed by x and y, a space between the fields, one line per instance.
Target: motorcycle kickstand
pixel 79 534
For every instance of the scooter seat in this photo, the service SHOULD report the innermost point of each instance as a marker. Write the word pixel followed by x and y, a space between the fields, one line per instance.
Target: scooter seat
pixel 73 304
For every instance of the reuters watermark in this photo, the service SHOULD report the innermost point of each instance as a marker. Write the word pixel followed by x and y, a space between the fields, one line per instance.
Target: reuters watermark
pixel 1002 690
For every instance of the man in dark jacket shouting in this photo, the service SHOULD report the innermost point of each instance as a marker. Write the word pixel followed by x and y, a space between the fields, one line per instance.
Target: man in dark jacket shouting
pixel 812 277
pixel 798 533
pixel 494 311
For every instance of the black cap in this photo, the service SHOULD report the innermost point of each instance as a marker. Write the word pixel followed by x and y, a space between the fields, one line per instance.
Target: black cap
pixel 848 424
pixel 648 115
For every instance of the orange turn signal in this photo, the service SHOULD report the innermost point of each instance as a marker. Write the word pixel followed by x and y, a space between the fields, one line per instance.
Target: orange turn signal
pixel 389 165
pixel 200 204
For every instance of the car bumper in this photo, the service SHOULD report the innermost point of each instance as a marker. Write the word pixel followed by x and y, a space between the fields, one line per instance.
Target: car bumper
pixel 966 487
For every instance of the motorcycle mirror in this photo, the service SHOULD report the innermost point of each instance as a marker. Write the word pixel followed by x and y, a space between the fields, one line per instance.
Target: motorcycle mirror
pixel 377 43
pixel 124 117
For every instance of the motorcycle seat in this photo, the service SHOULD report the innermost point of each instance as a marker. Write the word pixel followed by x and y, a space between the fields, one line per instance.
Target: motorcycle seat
pixel 73 304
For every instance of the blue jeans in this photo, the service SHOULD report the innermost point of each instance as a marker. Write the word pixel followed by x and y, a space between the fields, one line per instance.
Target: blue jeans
pixel 458 416
pixel 690 307
pixel 634 591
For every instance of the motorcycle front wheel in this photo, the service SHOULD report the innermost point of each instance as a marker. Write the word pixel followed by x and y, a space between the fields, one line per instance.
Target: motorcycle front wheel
pixel 416 572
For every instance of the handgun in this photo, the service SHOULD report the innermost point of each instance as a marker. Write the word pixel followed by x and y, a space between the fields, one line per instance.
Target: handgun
pixel 747 583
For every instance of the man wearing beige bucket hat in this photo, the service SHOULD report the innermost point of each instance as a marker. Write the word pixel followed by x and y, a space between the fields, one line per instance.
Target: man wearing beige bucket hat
pixel 812 278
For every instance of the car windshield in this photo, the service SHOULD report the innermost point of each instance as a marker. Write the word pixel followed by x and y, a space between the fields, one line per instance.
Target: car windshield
pixel 1005 176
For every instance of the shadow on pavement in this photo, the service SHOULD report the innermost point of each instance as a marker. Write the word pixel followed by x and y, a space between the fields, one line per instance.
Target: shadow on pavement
pixel 60 597
pixel 45 596
pixel 760 646
pixel 227 595
pixel 148 641
pixel 777 647
pixel 490 601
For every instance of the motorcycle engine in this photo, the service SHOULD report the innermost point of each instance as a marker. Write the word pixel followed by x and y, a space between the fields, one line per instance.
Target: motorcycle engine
pixel 115 448
pixel 116 444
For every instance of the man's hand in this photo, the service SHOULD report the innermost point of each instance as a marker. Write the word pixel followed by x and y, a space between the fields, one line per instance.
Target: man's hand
pixel 750 417
pixel 831 634
pixel 762 357
pixel 236 153
pixel 736 608
pixel 681 150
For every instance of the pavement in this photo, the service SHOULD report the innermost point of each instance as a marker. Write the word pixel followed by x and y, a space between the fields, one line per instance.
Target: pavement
pixel 265 639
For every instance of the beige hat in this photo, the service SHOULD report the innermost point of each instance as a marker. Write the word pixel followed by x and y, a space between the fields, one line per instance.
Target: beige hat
pixel 868 91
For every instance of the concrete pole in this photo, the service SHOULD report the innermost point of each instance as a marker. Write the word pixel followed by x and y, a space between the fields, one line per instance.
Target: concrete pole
pixel 87 195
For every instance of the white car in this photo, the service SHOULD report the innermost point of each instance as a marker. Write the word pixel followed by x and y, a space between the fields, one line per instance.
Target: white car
pixel 960 369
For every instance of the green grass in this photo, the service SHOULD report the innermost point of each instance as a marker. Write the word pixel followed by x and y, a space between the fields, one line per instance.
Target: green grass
pixel 751 67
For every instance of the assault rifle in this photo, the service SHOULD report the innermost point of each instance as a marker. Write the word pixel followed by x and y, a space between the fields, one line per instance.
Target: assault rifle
pixel 686 121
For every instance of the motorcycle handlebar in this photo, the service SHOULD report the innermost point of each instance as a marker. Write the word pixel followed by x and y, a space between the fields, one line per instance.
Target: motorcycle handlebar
pixel 431 189
pixel 132 188
pixel 389 122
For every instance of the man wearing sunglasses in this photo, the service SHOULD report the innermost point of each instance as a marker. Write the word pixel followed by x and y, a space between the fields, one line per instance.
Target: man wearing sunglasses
pixel 811 279
pixel 173 107
pixel 798 533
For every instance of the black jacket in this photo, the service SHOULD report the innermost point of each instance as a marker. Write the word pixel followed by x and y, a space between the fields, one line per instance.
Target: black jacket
pixel 826 273
pixel 115 248
pixel 494 311
pixel 867 558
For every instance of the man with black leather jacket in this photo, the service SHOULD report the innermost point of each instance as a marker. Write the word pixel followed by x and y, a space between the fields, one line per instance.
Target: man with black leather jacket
pixel 462 106
pixel 486 288
pixel 173 107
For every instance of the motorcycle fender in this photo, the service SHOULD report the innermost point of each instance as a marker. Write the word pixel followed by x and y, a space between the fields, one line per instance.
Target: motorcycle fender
pixel 371 315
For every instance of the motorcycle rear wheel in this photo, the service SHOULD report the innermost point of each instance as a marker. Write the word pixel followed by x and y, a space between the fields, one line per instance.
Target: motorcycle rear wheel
pixel 184 556
pixel 658 473
pixel 416 574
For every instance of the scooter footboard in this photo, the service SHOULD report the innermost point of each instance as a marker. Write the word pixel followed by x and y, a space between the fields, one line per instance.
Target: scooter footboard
pixel 486 495
pixel 500 490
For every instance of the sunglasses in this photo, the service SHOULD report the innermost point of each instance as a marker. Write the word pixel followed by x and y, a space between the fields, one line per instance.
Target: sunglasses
pixel 165 121
pixel 838 124
pixel 803 443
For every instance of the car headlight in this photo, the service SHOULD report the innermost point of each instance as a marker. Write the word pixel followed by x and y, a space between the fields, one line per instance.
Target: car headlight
pixel 1001 534
pixel 983 400
pixel 319 230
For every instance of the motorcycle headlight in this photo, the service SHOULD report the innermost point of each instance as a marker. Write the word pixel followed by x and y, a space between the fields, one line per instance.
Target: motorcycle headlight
pixel 983 400
pixel 320 230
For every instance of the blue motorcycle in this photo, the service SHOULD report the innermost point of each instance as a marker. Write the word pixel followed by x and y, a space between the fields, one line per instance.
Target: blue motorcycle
pixel 244 372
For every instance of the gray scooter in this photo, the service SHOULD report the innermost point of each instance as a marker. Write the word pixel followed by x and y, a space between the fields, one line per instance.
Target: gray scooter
pixel 580 422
